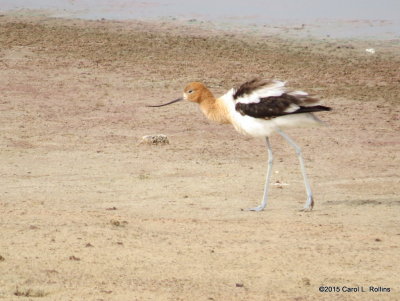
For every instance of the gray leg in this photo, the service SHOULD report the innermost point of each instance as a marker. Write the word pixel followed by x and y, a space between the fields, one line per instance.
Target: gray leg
pixel 269 172
pixel 310 201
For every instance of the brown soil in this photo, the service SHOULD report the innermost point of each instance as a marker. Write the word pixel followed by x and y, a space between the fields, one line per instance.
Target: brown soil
pixel 89 213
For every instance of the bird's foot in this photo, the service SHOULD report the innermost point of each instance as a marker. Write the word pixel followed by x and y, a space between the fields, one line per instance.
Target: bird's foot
pixel 309 205
pixel 257 209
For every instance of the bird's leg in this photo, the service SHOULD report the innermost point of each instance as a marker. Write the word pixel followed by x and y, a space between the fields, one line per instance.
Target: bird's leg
pixel 308 206
pixel 269 172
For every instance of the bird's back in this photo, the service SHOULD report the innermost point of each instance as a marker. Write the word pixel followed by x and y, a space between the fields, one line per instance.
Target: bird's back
pixel 258 107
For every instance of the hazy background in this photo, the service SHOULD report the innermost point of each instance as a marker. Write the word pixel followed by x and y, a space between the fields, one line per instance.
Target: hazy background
pixel 340 18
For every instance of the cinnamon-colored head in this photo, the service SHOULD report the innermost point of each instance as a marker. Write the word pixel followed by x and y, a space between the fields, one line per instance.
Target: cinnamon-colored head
pixel 196 92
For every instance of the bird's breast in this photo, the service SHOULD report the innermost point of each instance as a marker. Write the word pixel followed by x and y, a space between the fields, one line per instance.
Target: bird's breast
pixel 216 111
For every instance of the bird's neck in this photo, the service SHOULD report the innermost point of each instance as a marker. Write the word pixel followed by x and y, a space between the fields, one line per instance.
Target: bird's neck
pixel 214 109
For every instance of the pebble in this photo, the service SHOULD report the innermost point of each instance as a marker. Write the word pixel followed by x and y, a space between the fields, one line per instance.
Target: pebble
pixel 158 139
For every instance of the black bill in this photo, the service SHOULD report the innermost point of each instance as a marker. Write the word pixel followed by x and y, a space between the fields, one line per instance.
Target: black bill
pixel 165 104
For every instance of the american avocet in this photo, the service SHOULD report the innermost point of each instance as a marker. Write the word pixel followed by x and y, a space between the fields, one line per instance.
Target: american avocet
pixel 259 108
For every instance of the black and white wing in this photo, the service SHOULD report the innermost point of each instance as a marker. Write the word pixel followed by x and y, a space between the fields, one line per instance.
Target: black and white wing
pixel 269 99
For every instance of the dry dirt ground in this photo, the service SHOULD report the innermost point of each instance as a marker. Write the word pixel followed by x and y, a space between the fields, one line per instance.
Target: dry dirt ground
pixel 88 213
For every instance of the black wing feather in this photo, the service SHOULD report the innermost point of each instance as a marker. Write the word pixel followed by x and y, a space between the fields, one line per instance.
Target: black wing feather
pixel 275 106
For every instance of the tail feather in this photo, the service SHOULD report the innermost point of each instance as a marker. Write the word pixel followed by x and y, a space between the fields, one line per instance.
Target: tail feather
pixel 311 109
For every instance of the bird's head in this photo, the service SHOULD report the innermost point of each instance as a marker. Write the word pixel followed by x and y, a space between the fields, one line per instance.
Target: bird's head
pixel 194 92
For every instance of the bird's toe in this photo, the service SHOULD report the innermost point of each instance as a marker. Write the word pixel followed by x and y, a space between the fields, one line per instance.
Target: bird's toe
pixel 257 209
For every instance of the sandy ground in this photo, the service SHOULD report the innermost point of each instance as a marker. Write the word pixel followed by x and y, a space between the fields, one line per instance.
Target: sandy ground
pixel 88 213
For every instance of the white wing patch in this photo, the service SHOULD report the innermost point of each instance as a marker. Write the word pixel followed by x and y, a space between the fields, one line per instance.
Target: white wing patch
pixel 292 108
pixel 303 95
pixel 298 93
pixel 277 88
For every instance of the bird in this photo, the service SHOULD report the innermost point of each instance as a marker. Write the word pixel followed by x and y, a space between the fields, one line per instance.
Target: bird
pixel 260 108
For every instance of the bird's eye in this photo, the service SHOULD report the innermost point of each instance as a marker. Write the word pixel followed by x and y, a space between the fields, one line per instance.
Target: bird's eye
pixel 190 91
